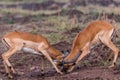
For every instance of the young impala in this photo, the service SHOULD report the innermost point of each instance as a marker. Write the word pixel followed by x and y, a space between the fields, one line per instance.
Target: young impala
pixel 27 42
pixel 95 32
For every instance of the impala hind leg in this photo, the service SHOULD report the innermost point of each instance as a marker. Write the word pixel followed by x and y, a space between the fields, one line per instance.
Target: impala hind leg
pixel 110 57
pixel 6 62
pixel 114 49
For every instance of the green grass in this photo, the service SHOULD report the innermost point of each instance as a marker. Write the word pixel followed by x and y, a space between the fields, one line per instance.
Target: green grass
pixel 26 12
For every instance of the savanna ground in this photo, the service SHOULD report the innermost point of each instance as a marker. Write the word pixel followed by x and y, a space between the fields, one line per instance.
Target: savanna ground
pixel 59 21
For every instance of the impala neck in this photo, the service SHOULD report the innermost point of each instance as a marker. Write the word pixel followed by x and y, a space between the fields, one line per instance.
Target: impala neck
pixel 72 57
pixel 54 53
pixel 74 54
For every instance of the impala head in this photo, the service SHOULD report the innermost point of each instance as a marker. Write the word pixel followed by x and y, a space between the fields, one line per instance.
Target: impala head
pixel 60 63
pixel 65 66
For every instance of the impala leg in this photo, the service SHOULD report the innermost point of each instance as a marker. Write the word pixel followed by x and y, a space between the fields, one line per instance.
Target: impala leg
pixel 115 51
pixel 6 62
pixel 83 54
pixel 49 58
pixel 43 62
pixel 106 39
pixel 110 57
pixel 7 70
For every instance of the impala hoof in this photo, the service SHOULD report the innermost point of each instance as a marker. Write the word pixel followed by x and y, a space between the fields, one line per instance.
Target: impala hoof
pixel 60 72
pixel 42 74
pixel 71 69
pixel 112 66
pixel 10 76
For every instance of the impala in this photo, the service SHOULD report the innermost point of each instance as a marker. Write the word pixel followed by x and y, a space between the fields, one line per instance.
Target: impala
pixel 36 44
pixel 96 32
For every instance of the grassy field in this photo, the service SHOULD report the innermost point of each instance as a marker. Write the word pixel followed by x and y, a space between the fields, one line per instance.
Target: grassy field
pixel 63 21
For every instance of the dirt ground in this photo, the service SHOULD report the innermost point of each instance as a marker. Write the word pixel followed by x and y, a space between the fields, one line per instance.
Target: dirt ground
pixel 28 66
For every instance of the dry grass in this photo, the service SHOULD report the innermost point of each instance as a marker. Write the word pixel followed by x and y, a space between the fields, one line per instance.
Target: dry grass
pixel 6 2
pixel 26 12
pixel 99 9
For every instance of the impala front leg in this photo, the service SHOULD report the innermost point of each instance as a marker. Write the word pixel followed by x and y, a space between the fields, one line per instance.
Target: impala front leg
pixel 43 62
pixel 83 54
pixel 49 58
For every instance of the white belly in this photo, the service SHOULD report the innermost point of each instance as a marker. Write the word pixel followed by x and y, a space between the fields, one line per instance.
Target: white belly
pixel 29 50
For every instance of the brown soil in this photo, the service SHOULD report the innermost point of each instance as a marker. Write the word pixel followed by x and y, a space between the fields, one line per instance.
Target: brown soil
pixel 28 67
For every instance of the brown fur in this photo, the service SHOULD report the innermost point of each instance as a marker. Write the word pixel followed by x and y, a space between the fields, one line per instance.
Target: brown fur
pixel 17 40
pixel 95 32
pixel 34 38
